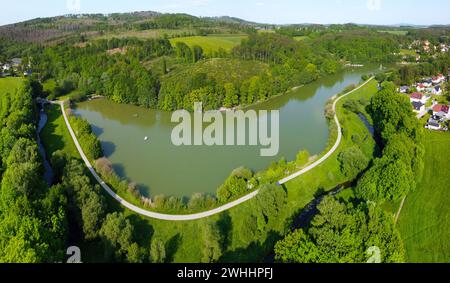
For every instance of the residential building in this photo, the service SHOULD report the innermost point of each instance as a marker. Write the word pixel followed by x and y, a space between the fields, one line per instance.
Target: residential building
pixel 437 90
pixel 445 109
pixel 418 106
pixel 404 89
pixel 433 125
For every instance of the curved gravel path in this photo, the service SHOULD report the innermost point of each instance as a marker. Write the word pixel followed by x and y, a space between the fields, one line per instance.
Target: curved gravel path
pixel 212 212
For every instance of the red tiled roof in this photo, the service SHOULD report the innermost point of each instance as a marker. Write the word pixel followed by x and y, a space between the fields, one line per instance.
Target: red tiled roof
pixel 441 108
pixel 416 95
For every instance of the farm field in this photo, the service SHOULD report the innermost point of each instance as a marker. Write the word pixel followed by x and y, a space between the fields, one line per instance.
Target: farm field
pixel 300 38
pixel 424 222
pixel 211 43
pixel 396 32
pixel 408 52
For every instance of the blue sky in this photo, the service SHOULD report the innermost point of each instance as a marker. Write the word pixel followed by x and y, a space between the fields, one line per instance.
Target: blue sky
pixel 268 11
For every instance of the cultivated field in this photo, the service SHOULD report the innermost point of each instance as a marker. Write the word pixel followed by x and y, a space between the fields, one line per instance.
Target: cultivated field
pixel 9 84
pixel 211 43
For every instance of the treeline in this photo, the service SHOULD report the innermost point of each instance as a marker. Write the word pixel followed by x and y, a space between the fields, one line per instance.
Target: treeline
pixel 215 94
pixel 33 223
pixel 344 233
pixel 397 172
pixel 361 46
pixel 202 26
pixel 434 35
pixel 91 70
pixel 410 74
pixel 88 210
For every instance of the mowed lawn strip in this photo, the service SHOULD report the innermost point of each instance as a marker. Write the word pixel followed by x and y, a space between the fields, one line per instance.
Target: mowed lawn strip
pixel 424 222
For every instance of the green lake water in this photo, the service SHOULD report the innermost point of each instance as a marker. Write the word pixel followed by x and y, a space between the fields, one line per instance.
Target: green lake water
pixel 159 167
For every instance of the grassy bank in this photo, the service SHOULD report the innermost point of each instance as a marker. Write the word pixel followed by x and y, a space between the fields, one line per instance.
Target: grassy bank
pixel 55 135
pixel 424 222
pixel 328 175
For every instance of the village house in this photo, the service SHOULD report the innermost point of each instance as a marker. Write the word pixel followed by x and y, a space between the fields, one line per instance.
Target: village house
pixel 418 97
pixel 437 90
pixel 440 110
pixel 6 67
pixel 438 79
pixel 420 87
pixel 16 62
pixel 440 116
pixel 426 46
pixel 433 125
pixel 418 107
pixel 427 83
pixel 404 89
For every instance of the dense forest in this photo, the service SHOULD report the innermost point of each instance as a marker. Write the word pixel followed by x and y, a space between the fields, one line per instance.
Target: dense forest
pixel 33 217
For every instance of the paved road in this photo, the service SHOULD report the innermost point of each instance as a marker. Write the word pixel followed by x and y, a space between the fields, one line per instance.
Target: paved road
pixel 212 212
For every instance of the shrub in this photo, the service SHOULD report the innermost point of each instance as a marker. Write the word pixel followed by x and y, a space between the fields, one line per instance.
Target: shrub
pixel 104 166
pixel 352 161
pixel 352 105
pixel 302 158
pixel 232 188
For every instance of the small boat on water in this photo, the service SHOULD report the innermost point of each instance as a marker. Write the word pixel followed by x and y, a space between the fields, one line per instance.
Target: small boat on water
pixel 146 139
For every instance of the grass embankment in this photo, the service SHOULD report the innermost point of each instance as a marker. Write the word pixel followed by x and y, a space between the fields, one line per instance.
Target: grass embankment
pixel 424 222
pixel 55 135
pixel 212 43
pixel 328 175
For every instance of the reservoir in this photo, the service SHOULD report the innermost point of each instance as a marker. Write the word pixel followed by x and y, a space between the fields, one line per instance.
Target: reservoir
pixel 138 140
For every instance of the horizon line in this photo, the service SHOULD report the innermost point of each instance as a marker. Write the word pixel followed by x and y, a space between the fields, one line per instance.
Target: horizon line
pixel 234 17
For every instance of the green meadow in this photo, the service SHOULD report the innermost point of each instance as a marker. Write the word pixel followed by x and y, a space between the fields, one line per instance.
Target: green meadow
pixel 424 222
pixel 211 43
pixel 9 84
